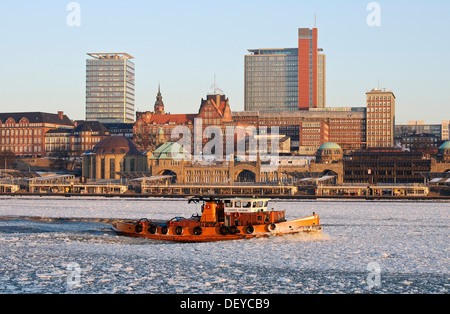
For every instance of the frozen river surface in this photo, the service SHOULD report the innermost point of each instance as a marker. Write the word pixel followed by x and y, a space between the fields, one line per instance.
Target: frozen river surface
pixel 366 247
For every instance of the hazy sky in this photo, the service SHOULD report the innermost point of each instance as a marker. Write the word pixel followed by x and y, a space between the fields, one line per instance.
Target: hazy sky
pixel 183 44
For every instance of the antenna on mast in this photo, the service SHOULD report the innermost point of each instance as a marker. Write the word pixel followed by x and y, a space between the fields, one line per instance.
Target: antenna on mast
pixel 214 87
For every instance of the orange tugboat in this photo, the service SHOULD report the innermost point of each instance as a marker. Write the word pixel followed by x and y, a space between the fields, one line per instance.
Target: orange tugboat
pixel 221 220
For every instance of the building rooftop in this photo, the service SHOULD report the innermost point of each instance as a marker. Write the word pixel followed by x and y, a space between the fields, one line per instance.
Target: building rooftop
pixel 59 131
pixel 111 55
pixel 37 117
pixel 274 51
pixel 384 90
pixel 357 112
pixel 116 145
pixel 91 126
pixel 179 119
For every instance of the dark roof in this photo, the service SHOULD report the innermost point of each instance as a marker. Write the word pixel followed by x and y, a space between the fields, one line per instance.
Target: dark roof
pixel 59 131
pixel 172 118
pixel 116 145
pixel 36 117
pixel 8 173
pixel 90 126
pixel 134 174
pixel 119 127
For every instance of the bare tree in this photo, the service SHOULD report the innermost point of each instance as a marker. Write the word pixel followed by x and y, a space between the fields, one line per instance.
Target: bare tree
pixel 60 158
pixel 145 139
pixel 7 159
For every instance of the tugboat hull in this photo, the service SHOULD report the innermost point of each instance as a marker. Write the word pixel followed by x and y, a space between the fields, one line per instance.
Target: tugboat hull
pixel 191 231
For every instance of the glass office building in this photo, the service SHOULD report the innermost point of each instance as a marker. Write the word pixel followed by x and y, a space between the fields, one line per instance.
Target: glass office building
pixel 110 88
pixel 286 79
pixel 271 80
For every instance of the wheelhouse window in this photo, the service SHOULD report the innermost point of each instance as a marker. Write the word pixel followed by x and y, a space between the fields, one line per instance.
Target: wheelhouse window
pixel 247 204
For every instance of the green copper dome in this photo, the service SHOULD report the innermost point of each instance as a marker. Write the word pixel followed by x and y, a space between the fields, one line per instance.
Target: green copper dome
pixel 445 145
pixel 329 145
pixel 170 150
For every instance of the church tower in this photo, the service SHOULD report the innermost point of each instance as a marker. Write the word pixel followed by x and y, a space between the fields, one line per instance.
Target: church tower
pixel 159 104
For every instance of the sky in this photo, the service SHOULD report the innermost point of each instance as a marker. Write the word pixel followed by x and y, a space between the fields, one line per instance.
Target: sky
pixel 183 44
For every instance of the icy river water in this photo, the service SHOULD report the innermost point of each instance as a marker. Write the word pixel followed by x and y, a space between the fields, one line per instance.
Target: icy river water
pixel 366 247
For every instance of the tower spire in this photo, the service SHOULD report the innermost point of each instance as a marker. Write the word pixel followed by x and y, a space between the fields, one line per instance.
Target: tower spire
pixel 159 104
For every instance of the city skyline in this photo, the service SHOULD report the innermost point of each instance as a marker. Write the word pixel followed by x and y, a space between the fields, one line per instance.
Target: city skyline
pixel 184 46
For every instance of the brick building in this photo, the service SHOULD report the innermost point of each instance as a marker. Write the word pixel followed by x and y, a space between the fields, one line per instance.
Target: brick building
pixel 309 129
pixel 380 118
pixel 86 135
pixel 57 140
pixel 386 165
pixel 418 135
pixel 24 133
pixel 155 127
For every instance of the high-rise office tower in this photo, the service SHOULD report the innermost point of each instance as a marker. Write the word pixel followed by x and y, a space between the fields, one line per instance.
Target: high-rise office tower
pixel 380 118
pixel 321 80
pixel 307 68
pixel 110 88
pixel 286 79
pixel 271 80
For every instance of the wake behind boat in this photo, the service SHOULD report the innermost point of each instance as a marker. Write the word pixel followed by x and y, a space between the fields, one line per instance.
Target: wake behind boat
pixel 221 220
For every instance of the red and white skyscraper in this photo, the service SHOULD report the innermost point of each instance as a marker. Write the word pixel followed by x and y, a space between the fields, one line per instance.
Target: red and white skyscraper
pixel 307 68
